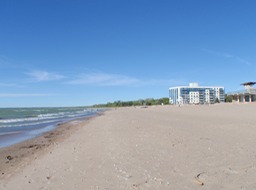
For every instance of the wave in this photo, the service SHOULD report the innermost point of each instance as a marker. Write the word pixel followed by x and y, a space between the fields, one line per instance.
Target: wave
pixel 32 119
pixel 22 124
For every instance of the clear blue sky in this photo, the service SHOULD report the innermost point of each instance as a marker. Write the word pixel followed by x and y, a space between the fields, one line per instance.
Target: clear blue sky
pixel 84 52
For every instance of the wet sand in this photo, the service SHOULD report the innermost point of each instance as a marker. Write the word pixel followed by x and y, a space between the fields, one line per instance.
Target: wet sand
pixel 163 147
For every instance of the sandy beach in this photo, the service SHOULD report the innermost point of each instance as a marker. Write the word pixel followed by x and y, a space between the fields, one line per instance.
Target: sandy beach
pixel 160 147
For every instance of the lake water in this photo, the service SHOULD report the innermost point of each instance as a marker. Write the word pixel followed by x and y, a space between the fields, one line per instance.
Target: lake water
pixel 19 124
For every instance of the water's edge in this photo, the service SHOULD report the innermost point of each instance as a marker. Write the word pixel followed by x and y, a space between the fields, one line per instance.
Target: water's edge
pixel 9 138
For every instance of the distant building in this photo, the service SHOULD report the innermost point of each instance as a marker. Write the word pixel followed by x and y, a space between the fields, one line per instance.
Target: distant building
pixel 194 94
pixel 246 95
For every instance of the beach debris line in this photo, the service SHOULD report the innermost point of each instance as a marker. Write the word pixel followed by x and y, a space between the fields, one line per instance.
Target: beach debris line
pixel 198 181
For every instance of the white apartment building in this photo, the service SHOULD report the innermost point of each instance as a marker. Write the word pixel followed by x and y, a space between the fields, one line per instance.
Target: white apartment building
pixel 194 94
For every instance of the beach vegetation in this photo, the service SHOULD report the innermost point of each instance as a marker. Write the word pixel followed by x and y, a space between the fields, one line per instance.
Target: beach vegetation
pixel 217 100
pixel 228 98
pixel 140 102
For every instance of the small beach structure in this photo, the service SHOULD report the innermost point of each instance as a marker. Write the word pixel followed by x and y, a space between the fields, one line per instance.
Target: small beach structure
pixel 246 95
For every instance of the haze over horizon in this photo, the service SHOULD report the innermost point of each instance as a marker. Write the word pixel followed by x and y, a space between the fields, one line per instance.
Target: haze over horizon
pixel 76 53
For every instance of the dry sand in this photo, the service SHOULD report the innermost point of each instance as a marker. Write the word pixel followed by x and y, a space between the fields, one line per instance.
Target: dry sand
pixel 165 147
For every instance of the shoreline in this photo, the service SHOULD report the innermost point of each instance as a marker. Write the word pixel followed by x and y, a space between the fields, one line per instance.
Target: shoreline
pixel 14 157
pixel 20 124
pixel 12 135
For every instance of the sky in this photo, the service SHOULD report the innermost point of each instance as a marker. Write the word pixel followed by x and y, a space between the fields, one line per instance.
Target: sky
pixel 85 52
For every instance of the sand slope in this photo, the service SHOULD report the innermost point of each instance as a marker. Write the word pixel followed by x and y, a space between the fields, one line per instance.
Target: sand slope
pixel 165 147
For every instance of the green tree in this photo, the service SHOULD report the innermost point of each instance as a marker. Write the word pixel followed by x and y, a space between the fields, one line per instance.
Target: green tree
pixel 141 102
pixel 228 98
pixel 217 100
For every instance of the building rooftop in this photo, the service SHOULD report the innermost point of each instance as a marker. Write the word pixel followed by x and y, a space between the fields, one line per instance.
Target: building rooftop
pixel 248 83
pixel 252 91
pixel 195 85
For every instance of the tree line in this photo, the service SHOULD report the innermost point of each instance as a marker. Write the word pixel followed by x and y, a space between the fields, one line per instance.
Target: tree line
pixel 141 102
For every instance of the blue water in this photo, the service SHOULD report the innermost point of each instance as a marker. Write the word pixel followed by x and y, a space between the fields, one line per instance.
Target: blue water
pixel 20 124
